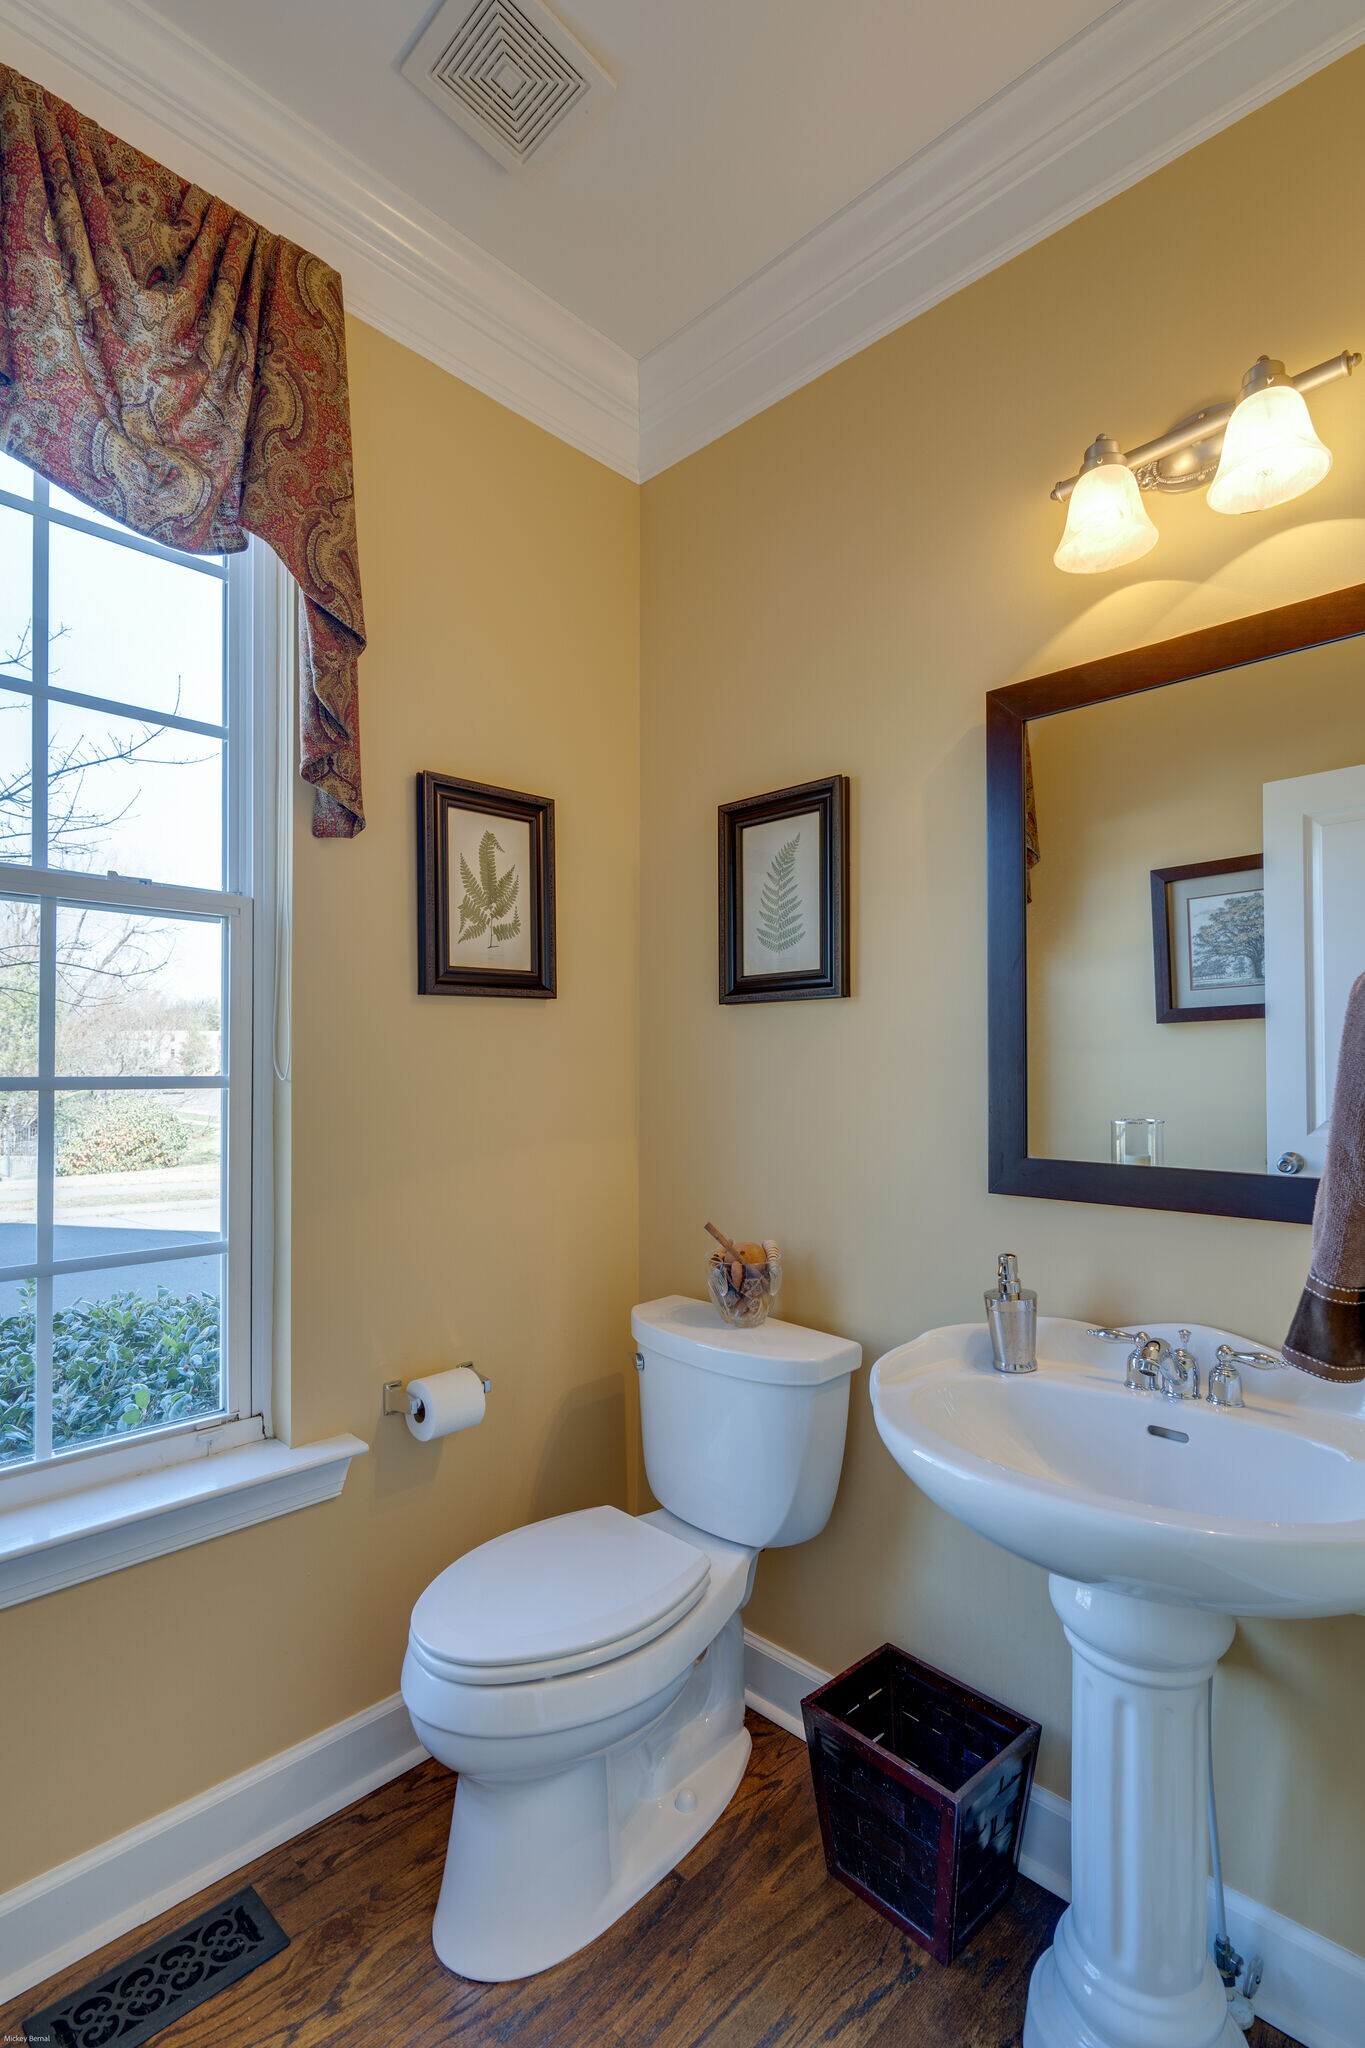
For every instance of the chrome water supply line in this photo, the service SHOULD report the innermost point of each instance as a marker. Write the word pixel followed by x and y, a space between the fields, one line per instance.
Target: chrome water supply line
pixel 1226 1960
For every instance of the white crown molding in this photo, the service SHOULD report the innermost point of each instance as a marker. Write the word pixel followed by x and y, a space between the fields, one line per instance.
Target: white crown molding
pixel 1314 1990
pixel 403 271
pixel 1146 82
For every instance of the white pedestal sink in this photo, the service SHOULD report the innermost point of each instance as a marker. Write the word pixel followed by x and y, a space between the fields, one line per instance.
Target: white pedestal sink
pixel 1159 1520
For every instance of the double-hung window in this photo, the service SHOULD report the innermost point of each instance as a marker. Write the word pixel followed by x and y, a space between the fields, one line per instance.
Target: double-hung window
pixel 129 830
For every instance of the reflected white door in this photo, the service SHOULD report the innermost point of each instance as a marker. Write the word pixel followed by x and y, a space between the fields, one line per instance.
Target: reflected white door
pixel 1314 949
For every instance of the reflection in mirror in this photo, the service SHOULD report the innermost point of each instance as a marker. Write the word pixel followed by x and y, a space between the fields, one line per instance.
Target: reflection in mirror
pixel 1163 981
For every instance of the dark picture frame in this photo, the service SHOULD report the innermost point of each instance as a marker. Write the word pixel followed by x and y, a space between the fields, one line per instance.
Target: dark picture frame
pixel 1012 1169
pixel 1169 1009
pixel 798 896
pixel 516 913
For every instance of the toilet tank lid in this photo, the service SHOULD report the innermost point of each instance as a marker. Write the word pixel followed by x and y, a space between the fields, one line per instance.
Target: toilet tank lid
pixel 783 1354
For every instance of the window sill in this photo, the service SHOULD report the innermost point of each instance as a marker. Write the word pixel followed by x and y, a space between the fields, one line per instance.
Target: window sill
pixel 47 1544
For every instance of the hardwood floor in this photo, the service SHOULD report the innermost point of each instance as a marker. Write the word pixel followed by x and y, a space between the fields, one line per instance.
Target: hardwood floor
pixel 748 1944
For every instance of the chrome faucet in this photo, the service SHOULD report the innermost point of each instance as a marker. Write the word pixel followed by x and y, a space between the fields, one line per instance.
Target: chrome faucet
pixel 1153 1367
pixel 1180 1377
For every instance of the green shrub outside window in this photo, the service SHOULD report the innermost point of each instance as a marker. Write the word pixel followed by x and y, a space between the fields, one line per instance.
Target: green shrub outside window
pixel 128 1362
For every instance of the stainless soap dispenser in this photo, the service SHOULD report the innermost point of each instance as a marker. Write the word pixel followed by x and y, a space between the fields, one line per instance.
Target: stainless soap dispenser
pixel 1012 1318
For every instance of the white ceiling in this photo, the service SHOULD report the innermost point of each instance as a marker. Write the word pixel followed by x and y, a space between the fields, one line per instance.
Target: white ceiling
pixel 736 128
pixel 773 185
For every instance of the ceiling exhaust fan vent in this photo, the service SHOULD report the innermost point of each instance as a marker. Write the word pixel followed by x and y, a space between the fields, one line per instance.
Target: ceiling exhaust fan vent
pixel 508 72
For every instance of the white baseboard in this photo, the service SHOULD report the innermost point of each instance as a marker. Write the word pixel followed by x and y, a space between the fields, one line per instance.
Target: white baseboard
pixel 776 1682
pixel 77 1907
pixel 1314 1990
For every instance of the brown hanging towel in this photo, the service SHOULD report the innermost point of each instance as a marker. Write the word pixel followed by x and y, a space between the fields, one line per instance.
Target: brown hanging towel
pixel 1327 1335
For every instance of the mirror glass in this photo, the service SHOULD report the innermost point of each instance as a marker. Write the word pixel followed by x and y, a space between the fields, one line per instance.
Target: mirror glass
pixel 1197 915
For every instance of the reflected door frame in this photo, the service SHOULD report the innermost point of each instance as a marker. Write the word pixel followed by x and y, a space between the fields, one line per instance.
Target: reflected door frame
pixel 1013 1170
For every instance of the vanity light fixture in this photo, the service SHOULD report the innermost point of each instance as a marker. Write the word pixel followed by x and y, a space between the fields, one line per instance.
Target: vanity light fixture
pixel 1270 450
pixel 1259 452
pixel 1106 520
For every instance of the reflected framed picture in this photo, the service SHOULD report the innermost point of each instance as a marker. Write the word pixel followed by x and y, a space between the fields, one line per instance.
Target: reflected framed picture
pixel 784 900
pixel 1208 940
pixel 485 890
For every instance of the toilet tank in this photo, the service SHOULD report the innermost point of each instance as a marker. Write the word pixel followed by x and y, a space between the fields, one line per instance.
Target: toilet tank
pixel 743 1429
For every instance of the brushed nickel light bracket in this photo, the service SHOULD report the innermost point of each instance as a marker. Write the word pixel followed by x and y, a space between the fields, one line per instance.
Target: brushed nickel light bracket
pixel 1189 467
pixel 1185 457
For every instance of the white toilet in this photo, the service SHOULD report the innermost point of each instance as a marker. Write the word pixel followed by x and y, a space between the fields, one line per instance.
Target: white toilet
pixel 585 1675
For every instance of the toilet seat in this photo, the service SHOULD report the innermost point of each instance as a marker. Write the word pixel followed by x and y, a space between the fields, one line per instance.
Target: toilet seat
pixel 556 1597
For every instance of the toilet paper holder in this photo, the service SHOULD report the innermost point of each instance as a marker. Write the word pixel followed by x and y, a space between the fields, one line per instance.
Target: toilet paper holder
pixel 398 1401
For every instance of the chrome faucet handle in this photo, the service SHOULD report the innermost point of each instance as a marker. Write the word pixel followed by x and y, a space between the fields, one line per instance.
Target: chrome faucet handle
pixel 1264 1361
pixel 1138 1376
pixel 1225 1385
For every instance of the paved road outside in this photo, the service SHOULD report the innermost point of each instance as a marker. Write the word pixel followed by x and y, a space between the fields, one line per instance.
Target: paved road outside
pixel 181 1276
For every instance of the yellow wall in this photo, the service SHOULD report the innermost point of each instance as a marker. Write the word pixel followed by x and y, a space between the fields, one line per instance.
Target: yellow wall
pixel 464 1171
pixel 1157 781
pixel 835 586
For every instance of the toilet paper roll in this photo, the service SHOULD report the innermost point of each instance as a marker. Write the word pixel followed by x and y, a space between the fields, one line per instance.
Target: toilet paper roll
pixel 445 1402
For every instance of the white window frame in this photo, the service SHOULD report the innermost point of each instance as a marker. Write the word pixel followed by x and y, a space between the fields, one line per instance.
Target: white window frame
pixel 107 1506
pixel 257 643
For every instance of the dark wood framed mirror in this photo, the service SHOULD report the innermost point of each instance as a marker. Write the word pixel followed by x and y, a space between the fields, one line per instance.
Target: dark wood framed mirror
pixel 1069 985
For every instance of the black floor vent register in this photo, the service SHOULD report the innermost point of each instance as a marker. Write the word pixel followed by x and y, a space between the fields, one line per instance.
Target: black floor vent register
pixel 143 1994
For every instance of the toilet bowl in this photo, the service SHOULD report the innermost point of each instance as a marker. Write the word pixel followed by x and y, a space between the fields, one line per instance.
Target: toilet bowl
pixel 584 1675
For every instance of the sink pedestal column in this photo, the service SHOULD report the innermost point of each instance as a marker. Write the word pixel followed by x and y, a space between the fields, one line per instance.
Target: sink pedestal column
pixel 1129 1966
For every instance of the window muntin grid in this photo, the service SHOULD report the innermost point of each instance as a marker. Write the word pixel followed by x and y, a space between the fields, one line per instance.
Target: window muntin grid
pixel 50 878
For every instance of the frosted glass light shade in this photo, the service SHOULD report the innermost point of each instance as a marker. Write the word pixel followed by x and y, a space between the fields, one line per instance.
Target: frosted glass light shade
pixel 1270 453
pixel 1106 522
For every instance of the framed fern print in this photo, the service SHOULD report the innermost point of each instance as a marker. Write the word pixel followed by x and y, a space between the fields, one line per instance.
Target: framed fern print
pixel 783 870
pixel 485 890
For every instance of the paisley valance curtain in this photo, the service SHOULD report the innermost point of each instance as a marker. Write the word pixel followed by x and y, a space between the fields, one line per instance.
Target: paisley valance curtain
pixel 183 370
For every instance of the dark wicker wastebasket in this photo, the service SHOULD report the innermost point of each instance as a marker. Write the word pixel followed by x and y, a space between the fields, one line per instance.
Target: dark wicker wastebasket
pixel 921 1786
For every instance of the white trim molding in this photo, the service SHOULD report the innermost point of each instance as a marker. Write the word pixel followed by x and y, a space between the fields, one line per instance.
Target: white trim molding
pixel 1314 1990
pixel 1143 84
pixel 50 1539
pixel 69 1912
pixel 403 270
pixel 1146 82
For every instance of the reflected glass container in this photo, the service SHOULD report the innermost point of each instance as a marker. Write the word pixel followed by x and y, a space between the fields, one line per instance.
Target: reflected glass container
pixel 744 1294
pixel 1137 1140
